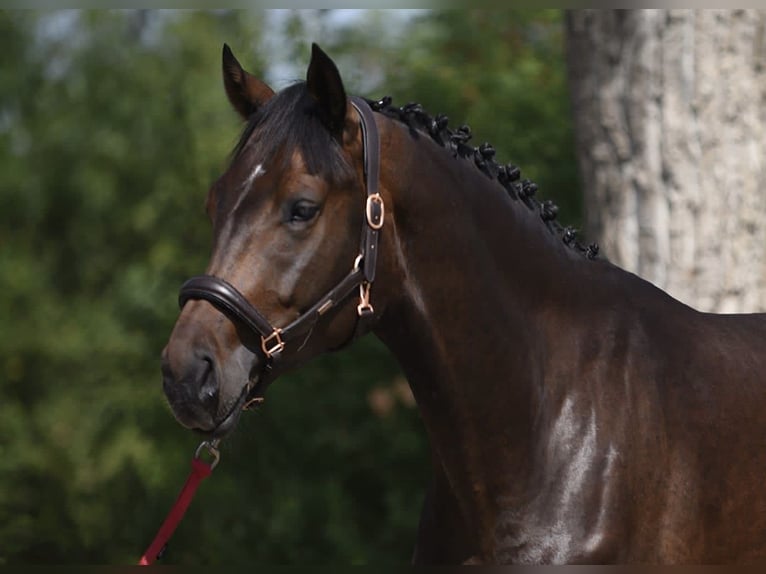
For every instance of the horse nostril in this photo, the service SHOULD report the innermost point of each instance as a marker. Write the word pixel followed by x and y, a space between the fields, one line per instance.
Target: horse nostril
pixel 208 388
pixel 194 381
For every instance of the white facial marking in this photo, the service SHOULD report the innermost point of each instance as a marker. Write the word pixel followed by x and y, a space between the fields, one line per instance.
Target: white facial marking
pixel 258 170
pixel 247 184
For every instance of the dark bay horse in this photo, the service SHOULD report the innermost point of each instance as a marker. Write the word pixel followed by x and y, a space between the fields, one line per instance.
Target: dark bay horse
pixel 575 412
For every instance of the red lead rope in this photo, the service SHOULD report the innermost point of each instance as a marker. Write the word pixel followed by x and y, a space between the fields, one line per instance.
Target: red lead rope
pixel 200 470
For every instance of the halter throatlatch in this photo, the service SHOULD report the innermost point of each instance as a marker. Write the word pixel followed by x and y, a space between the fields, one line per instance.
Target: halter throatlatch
pixel 227 299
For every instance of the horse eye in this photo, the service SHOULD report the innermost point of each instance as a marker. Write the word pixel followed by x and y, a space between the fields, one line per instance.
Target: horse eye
pixel 302 211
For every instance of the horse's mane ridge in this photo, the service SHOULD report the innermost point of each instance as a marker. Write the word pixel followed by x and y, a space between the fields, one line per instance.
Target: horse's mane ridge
pixel 509 175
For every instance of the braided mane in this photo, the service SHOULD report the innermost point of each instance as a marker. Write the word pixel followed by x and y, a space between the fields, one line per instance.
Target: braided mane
pixel 509 175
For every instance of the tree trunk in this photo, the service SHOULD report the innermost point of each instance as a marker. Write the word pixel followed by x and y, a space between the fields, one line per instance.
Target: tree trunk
pixel 669 114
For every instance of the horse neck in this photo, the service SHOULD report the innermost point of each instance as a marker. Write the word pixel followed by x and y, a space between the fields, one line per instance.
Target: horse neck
pixel 477 275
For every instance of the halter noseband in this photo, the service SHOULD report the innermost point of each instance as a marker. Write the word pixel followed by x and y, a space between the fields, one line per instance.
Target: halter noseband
pixel 227 299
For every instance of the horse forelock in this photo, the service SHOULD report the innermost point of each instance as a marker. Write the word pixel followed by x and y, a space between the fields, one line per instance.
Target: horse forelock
pixel 288 123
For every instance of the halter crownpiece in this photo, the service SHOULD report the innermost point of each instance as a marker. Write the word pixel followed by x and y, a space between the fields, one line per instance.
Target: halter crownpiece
pixel 227 299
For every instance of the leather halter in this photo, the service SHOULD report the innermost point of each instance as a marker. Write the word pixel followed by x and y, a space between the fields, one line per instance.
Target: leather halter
pixel 227 299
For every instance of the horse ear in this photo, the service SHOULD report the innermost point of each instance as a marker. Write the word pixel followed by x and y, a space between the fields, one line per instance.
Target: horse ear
pixel 246 92
pixel 325 85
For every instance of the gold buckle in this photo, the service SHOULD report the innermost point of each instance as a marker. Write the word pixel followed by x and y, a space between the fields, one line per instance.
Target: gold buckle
pixel 278 346
pixel 375 198
pixel 364 308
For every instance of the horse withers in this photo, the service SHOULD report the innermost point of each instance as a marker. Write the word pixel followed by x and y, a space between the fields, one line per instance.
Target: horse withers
pixel 575 412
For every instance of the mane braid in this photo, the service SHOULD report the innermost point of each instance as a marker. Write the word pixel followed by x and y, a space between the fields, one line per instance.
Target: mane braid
pixel 509 175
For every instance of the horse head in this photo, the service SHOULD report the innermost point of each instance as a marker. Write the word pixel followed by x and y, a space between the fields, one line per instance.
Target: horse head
pixel 287 216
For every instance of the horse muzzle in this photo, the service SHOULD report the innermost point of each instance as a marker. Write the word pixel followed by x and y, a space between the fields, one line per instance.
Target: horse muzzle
pixel 207 391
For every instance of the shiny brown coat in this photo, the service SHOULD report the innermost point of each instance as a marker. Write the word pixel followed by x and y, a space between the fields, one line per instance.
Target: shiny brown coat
pixel 576 413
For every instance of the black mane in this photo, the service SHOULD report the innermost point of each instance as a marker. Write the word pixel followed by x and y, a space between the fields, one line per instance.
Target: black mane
pixel 508 175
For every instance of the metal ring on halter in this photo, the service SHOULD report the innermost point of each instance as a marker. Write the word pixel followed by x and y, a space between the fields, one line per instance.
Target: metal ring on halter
pixel 211 446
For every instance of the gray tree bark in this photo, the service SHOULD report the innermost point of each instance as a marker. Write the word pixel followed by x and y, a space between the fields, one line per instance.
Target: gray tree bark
pixel 670 116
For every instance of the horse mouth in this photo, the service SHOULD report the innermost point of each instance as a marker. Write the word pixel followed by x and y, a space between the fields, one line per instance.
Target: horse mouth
pixel 230 419
pixel 250 396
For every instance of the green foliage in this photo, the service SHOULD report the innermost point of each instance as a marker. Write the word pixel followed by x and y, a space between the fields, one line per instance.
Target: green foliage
pixel 102 157
pixel 112 126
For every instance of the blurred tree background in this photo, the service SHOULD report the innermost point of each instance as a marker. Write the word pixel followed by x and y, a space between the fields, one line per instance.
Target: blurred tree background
pixel 112 126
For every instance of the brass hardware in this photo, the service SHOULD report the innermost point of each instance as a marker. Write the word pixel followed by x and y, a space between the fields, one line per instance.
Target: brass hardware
pixel 325 307
pixel 375 198
pixel 364 308
pixel 278 345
